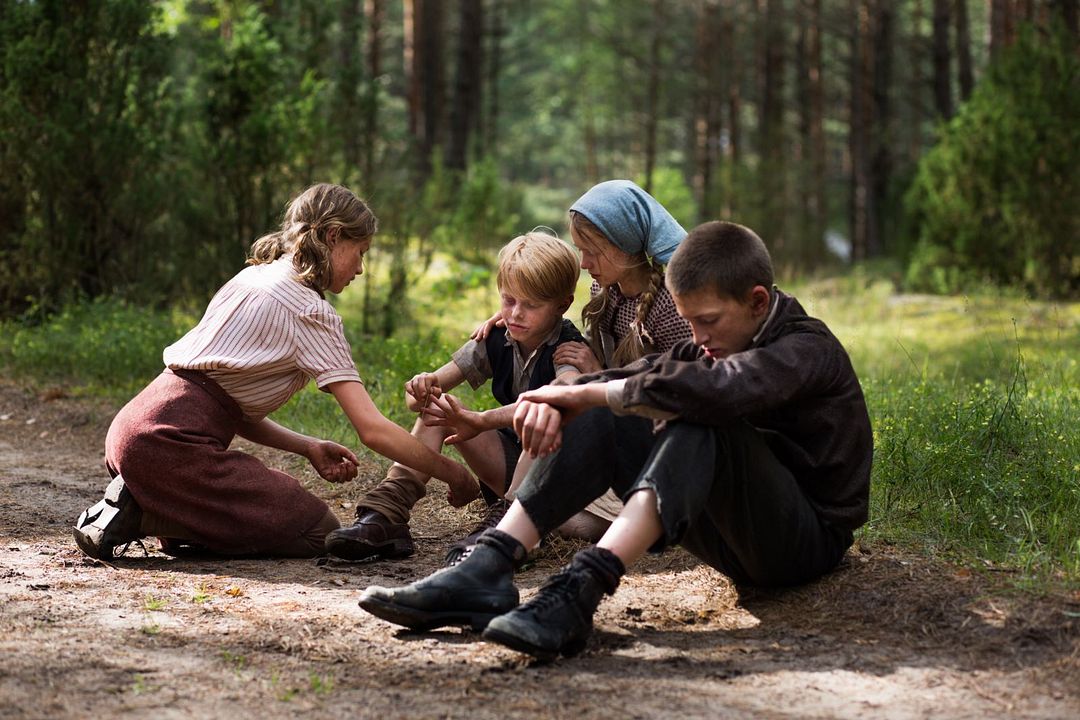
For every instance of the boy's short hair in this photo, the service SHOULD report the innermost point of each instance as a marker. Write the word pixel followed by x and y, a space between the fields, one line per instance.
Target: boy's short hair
pixel 724 257
pixel 538 266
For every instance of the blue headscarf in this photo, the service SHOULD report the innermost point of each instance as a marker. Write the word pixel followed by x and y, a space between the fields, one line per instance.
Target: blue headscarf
pixel 631 219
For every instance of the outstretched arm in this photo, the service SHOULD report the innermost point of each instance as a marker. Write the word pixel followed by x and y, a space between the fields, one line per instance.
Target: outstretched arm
pixel 449 412
pixel 333 462
pixel 386 438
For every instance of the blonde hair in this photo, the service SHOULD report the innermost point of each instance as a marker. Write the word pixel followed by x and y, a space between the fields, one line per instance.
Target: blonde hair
pixel 539 266
pixel 306 227
pixel 639 341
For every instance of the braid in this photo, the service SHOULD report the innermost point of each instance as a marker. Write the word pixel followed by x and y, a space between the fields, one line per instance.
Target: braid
pixel 639 341
pixel 591 315
pixel 648 298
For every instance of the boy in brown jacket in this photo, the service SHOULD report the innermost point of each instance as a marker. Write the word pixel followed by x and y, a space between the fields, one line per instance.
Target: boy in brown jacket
pixel 759 463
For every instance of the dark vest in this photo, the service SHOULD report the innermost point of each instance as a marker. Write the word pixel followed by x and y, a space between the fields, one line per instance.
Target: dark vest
pixel 501 358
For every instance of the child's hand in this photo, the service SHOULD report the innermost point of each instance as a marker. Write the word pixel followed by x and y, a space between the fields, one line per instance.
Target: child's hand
pixel 335 463
pixel 539 426
pixel 448 411
pixel 420 390
pixel 480 334
pixel 462 487
pixel 541 413
pixel 579 355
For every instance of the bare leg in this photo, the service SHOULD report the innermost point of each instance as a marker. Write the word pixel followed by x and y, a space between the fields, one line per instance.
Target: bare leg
pixel 516 524
pixel 635 530
pixel 525 461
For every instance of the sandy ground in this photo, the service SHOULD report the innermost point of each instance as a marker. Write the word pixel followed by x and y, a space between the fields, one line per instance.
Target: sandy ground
pixel 890 634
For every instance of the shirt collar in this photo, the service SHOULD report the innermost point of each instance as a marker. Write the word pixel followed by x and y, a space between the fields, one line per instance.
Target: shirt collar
pixel 774 303
pixel 551 339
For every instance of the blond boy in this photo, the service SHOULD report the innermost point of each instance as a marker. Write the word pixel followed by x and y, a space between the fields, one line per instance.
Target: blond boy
pixel 537 274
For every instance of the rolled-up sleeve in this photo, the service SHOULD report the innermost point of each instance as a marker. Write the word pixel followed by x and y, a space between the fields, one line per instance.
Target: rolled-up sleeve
pixel 616 400
pixel 472 359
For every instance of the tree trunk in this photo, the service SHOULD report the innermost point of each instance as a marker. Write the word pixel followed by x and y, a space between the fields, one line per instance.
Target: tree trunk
pixel 1001 24
pixel 494 60
pixel 706 125
pixel 858 131
pixel 374 11
pixel 348 87
pixel 467 84
pixel 410 9
pixel 882 161
pixel 423 27
pixel 963 49
pixel 916 57
pixel 733 87
pixel 652 97
pixel 942 78
pixel 812 114
pixel 772 172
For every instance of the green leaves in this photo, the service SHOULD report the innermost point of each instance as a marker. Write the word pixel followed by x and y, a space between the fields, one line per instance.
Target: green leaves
pixel 993 201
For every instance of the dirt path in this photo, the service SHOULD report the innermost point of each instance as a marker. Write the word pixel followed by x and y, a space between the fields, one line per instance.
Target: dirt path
pixel 888 635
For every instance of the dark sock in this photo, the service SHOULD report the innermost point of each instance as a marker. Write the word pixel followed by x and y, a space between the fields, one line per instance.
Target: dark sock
pixel 504 544
pixel 604 565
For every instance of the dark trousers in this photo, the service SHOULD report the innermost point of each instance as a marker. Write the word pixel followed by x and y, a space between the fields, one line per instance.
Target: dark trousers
pixel 721 494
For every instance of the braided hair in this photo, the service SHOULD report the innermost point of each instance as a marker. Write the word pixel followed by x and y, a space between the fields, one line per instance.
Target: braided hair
pixel 639 341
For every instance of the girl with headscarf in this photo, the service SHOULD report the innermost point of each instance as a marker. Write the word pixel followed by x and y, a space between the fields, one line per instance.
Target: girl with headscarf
pixel 625 238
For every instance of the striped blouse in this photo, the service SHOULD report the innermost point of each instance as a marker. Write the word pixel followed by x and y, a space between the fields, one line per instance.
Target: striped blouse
pixel 263 337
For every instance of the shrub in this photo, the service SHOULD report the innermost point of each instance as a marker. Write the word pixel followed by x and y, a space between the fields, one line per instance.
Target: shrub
pixel 993 201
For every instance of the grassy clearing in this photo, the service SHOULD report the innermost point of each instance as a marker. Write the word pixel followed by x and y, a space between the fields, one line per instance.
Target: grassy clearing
pixel 973 402
pixel 973 399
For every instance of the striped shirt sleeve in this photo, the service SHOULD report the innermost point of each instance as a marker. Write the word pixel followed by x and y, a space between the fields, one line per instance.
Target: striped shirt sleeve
pixel 322 352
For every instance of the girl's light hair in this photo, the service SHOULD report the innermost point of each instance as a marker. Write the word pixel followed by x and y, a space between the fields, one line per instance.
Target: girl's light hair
pixel 539 266
pixel 638 342
pixel 304 230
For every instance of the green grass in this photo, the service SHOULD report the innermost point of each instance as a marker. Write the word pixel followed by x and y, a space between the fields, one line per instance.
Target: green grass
pixel 973 402
pixel 973 399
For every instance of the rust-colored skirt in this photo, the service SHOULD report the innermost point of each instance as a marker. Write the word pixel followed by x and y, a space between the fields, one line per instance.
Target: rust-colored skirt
pixel 171 445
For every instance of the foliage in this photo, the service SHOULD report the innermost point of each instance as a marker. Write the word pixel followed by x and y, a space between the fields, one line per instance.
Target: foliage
pixel 84 101
pixel 670 189
pixel 135 142
pixel 104 346
pixel 993 201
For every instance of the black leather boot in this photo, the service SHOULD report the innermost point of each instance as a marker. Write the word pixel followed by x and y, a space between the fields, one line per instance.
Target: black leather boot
pixel 559 618
pixel 470 593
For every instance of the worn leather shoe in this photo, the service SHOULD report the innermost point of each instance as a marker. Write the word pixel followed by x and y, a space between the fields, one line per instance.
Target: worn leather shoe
pixel 470 593
pixel 113 520
pixel 372 536
pixel 559 618
pixel 461 549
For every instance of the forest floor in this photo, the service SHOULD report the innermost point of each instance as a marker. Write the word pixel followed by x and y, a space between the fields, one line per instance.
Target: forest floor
pixel 890 634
